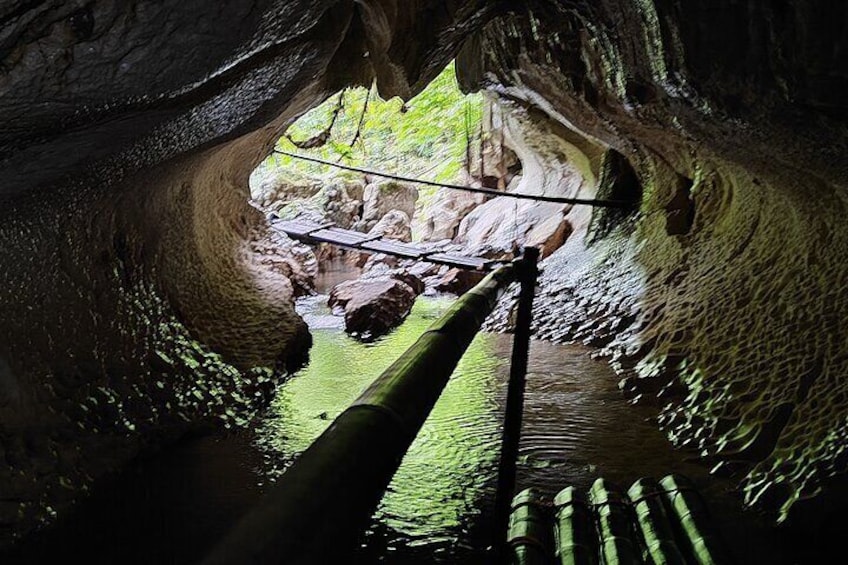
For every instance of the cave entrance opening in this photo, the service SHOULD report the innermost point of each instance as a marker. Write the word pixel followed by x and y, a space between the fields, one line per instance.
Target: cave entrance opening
pixel 441 135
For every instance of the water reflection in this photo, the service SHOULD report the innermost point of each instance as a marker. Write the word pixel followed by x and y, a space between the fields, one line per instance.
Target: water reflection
pixel 443 480
pixel 577 426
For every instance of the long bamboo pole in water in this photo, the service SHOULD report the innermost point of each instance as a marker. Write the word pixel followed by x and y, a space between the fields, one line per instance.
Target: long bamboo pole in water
pixel 320 506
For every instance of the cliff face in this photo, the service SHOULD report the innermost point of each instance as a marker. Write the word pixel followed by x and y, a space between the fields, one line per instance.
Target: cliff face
pixel 132 302
pixel 725 292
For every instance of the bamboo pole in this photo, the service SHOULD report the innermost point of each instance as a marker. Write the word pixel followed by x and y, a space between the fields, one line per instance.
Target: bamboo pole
pixel 529 533
pixel 318 509
pixel 615 531
pixel 574 529
pixel 699 538
pixel 652 520
pixel 515 400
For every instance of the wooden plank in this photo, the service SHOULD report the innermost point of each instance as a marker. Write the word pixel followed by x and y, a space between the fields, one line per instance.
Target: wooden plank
pixel 300 228
pixel 306 230
pixel 341 236
pixel 391 247
pixel 462 261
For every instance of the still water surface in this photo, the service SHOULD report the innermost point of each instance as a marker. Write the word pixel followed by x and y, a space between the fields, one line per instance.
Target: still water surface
pixel 577 427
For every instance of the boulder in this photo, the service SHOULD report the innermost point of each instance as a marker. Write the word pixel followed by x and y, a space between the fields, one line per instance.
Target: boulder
pixel 380 266
pixel 382 197
pixel 341 201
pixel 394 225
pixel 270 188
pixel 413 281
pixel 504 223
pixel 376 261
pixel 457 281
pixel 549 235
pixel 303 208
pixel 372 306
pixel 297 262
pixel 445 213
pixel 423 269
pixel 335 202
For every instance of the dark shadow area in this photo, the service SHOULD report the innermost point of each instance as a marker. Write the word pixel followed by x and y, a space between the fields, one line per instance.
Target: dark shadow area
pixel 166 508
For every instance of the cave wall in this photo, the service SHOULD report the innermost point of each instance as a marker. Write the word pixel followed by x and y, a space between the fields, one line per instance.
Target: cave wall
pixel 131 303
pixel 138 298
pixel 554 162
pixel 721 298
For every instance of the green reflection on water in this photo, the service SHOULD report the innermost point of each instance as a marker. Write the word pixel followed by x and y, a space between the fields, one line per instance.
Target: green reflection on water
pixel 443 479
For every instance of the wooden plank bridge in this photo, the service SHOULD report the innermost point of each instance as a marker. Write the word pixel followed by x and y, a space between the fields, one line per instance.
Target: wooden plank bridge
pixel 327 232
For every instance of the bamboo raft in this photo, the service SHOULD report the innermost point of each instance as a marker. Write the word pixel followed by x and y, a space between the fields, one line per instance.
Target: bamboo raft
pixel 659 523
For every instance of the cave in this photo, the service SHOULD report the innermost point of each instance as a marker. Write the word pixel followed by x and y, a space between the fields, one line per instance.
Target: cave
pixel 146 302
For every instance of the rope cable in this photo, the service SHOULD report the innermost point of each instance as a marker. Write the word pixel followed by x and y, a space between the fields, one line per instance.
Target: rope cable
pixel 488 191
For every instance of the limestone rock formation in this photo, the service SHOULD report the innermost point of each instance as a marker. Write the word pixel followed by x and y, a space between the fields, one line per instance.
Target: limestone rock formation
pixel 394 225
pixel 270 189
pixel 338 201
pixel 276 253
pixel 446 212
pixel 133 304
pixel 457 281
pixel 549 235
pixel 721 293
pixel 382 197
pixel 552 165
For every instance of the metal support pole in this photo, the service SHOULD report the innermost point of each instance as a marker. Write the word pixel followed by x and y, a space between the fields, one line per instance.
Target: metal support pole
pixel 528 272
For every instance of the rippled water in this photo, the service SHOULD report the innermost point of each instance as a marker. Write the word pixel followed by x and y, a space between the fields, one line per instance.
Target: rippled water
pixel 577 427
pixel 446 477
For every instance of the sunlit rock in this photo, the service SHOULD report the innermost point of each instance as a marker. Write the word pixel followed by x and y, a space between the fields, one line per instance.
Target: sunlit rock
pixel 445 213
pixel 394 225
pixel 382 197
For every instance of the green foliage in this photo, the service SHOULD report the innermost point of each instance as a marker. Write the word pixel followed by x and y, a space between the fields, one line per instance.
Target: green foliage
pixel 425 137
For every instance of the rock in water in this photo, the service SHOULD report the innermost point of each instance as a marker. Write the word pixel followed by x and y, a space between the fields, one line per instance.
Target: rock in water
pixel 374 306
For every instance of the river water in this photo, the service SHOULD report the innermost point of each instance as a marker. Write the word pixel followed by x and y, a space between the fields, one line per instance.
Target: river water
pixel 577 426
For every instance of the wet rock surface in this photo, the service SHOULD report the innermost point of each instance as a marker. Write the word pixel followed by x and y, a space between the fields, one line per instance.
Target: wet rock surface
pixel 712 298
pixel 373 305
